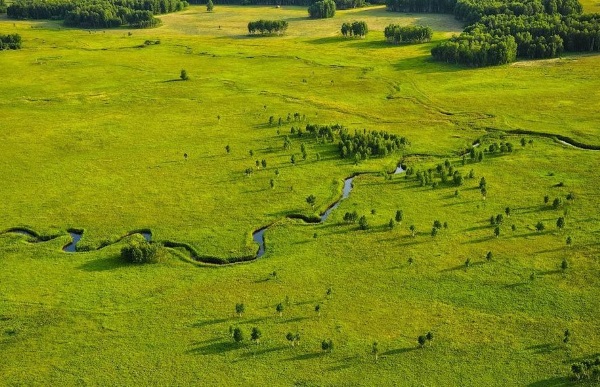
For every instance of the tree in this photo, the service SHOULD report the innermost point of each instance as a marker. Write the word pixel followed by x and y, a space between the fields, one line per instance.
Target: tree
pixel 363 224
pixel 290 337
pixel 507 211
pixel 560 223
pixel 399 216
pixel 375 350
pixel 322 9
pixel 210 6
pixel 468 263
pixel 422 340
pixel 564 265
pixel 523 142
pixel 434 232
pixel 183 75
pixel 391 224
pixel 489 256
pixel 272 183
pixel 556 203
pixel 318 309
pixel 328 292
pixel 437 224
pixel 293 159
pixel 327 345
pixel 540 226
pixel 429 336
pixel 413 230
pixel 546 199
pixel 238 335
pixel 566 336
pixel 240 309
pixel 497 231
pixel 255 335
pixel 311 200
pixel 227 148
pixel 279 308
pixel 569 241
pixel 410 261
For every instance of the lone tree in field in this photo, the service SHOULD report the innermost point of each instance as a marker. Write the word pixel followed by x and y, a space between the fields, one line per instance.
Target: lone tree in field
pixel 375 350
pixel 318 309
pixel 507 211
pixel 183 75
pixel 363 224
pixel 422 340
pixel 399 216
pixel 564 265
pixel 210 6
pixel 327 345
pixel 560 223
pixel 227 148
pixel 413 230
pixel 240 309
pixel 391 224
pixel 567 336
pixel 311 200
pixel 539 227
pixel 546 199
pixel 279 308
pixel 489 256
pixel 569 241
pixel 238 335
pixel 497 231
pixel 429 337
pixel 255 335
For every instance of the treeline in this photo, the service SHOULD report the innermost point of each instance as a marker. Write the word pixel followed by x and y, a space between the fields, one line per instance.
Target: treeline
pixel 397 34
pixel 500 39
pixel 10 42
pixel 267 27
pixel 472 11
pixel 3 6
pixel 357 28
pixel 96 13
pixel 431 6
pixel 322 9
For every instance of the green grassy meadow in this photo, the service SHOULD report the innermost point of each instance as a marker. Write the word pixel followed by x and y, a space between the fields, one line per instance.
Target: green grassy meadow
pixel 94 126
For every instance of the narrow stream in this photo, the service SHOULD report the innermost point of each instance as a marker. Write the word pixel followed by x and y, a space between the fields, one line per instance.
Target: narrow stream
pixel 75 237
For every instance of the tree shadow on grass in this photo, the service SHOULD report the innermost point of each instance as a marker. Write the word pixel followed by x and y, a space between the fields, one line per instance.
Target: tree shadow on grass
pixel 293 320
pixel 327 40
pixel 253 352
pixel 542 349
pixel 172 80
pixel 216 348
pixel 306 356
pixel 399 351
pixel 556 381
pixel 103 264
pixel 204 323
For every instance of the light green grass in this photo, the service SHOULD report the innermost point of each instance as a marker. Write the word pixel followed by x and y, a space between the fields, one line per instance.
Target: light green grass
pixel 93 134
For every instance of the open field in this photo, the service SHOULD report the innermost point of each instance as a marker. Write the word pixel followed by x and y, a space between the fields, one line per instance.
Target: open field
pixel 94 127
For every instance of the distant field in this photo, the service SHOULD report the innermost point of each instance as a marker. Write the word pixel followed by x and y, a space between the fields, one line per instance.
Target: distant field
pixel 93 132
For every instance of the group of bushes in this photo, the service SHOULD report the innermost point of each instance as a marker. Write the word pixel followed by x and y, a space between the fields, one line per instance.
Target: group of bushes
pixel 140 252
pixel 357 28
pixel 96 13
pixel 10 42
pixel 268 26
pixel 362 145
pixel 397 34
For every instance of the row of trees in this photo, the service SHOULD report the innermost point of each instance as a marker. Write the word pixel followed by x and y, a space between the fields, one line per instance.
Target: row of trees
pixel 397 34
pixel 10 42
pixel 96 14
pixel 476 50
pixel 432 6
pixel 357 28
pixel 322 9
pixel 268 27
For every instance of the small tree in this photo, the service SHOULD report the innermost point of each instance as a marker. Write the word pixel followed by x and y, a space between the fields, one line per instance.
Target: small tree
pixel 429 337
pixel 546 199
pixel 363 224
pixel 497 231
pixel 238 335
pixel 569 241
pixel 391 224
pixel 318 309
pixel 210 6
pixel 227 148
pixel 375 350
pixel 183 75
pixel 556 203
pixel 489 256
pixel 564 265
pixel 255 335
pixel 540 226
pixel 399 216
pixel 468 263
pixel 507 211
pixel 422 340
pixel 311 200
pixel 279 308
pixel 413 230
pixel 560 223
pixel 434 232
pixel 240 309
pixel 328 292
pixel 327 345
pixel 567 336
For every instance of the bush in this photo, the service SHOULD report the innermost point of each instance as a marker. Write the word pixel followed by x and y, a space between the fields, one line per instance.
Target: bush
pixel 140 252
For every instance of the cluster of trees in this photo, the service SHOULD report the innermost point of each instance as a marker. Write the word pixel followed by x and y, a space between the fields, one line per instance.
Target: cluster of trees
pixel 432 6
pixel 365 144
pixel 586 370
pixel 323 132
pixel 357 28
pixel 140 252
pixel 268 27
pixel 96 14
pixel 347 4
pixel 3 6
pixel 476 50
pixel 322 9
pixel 10 42
pixel 397 34
pixel 471 11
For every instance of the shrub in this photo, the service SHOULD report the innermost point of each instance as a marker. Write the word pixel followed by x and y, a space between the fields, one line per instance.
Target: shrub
pixel 140 252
